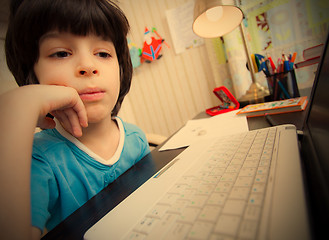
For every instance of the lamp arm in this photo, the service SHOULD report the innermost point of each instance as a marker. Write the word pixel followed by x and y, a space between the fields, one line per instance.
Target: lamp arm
pixel 250 66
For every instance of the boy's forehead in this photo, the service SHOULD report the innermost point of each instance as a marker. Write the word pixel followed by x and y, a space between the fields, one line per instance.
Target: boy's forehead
pixel 68 35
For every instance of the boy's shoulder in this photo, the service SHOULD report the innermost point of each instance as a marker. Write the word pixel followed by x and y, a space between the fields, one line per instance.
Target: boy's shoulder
pixel 47 139
pixel 131 128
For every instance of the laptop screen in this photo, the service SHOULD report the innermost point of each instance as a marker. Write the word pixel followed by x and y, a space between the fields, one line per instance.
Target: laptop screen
pixel 318 118
pixel 315 145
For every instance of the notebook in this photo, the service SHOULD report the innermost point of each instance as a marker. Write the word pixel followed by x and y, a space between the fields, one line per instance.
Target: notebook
pixel 260 184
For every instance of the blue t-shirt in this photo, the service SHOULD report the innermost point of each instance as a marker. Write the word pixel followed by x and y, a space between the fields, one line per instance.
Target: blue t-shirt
pixel 64 177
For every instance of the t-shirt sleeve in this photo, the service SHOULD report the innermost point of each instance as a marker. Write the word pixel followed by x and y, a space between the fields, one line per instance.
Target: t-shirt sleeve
pixel 144 145
pixel 135 142
pixel 42 182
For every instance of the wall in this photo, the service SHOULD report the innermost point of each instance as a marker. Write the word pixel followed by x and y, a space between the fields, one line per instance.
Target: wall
pixel 286 26
pixel 168 92
pixel 7 81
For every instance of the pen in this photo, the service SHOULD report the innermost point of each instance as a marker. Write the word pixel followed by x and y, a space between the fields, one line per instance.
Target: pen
pixel 286 64
pixel 283 89
pixel 292 60
pixel 257 63
pixel 271 62
pixel 269 67
pixel 253 60
pixel 293 57
pixel 270 120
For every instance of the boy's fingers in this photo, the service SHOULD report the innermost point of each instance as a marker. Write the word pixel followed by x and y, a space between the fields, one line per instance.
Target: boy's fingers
pixel 81 114
pixel 70 120
pixel 77 113
pixel 62 117
pixel 47 123
pixel 73 122
pixel 65 104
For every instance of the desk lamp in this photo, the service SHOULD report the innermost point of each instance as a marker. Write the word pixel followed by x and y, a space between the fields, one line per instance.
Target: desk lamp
pixel 215 18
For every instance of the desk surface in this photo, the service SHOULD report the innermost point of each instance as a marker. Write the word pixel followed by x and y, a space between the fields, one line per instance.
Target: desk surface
pixel 82 219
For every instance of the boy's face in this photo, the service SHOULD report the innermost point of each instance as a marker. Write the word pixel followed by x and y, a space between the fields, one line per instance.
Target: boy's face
pixel 88 64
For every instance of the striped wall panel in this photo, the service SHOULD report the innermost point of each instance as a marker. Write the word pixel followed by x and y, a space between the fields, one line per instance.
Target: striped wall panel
pixel 167 92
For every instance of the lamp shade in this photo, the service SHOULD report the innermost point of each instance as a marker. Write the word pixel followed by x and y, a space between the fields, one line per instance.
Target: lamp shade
pixel 215 18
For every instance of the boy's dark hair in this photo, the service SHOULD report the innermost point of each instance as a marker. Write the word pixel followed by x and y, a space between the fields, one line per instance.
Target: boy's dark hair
pixel 31 19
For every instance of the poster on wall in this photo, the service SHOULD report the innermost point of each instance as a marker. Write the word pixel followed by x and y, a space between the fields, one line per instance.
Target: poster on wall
pixel 180 22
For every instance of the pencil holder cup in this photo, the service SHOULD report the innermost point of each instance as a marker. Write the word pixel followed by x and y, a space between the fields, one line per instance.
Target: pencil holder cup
pixel 283 85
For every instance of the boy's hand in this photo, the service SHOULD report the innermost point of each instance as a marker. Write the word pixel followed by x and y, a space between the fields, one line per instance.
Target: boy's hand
pixel 20 110
pixel 63 103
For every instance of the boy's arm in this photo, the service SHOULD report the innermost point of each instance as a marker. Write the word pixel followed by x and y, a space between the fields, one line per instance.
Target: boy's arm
pixel 21 110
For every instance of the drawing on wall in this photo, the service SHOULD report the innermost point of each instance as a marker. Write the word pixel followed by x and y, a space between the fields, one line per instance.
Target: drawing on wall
pixel 151 50
pixel 152 46
pixel 135 54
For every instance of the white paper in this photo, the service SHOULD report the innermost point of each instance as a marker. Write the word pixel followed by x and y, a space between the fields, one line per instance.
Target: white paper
pixel 180 22
pixel 195 130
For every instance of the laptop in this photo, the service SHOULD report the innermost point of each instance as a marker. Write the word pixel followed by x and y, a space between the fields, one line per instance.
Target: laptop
pixel 262 184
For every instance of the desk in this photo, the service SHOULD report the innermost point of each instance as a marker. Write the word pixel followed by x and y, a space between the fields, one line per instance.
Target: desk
pixel 82 219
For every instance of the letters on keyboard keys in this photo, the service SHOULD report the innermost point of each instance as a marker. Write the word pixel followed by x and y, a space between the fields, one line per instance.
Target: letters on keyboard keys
pixel 200 230
pixel 135 236
pixel 164 225
pixel 158 211
pixel 189 215
pixel 234 207
pixel 220 197
pixel 210 213
pixel 248 229
pixel 178 231
pixel 227 225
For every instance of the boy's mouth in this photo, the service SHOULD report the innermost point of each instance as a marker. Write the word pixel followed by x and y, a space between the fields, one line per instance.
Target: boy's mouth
pixel 91 94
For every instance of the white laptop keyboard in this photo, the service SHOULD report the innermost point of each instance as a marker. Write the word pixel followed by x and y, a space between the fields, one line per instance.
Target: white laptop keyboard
pixel 219 197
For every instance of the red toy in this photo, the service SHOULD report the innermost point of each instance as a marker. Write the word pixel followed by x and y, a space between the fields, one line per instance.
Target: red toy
pixel 229 102
pixel 151 48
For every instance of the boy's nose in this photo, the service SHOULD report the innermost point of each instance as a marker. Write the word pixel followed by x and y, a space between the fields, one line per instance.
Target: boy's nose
pixel 86 66
pixel 87 72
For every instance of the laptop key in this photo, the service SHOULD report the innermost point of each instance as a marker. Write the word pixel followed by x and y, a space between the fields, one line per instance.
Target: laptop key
pixel 248 229
pixel 252 212
pixel 220 198
pixel 158 211
pixel 162 226
pixel 210 213
pixel 234 207
pixel 189 215
pixel 227 224
pixel 135 236
pixel 178 231
pixel 200 230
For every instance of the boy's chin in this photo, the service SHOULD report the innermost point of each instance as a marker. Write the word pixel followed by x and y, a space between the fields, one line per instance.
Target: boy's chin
pixel 97 114
pixel 97 118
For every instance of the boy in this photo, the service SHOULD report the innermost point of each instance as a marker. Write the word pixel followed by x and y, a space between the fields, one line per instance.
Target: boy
pixel 17 125
pixel 79 44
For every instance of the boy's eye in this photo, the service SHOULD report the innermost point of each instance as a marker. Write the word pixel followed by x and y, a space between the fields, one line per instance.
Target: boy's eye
pixel 103 54
pixel 60 54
